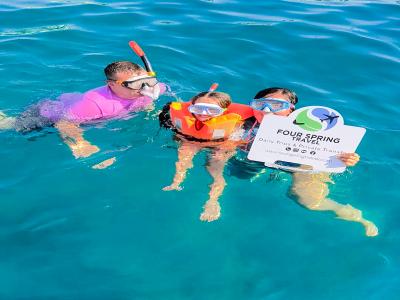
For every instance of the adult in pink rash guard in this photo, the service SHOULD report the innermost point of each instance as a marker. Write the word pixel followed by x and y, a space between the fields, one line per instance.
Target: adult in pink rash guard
pixel 97 104
pixel 129 88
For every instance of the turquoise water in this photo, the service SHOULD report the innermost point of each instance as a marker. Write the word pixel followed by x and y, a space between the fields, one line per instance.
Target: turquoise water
pixel 71 232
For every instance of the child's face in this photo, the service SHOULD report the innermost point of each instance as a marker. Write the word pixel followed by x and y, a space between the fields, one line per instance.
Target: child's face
pixel 205 100
pixel 280 95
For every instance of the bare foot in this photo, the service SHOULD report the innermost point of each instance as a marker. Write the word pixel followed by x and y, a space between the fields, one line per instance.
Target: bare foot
pixel 172 187
pixel 212 211
pixel 104 164
pixel 370 228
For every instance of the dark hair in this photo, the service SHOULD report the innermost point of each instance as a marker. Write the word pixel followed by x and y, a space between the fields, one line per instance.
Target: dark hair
pixel 292 95
pixel 224 100
pixel 120 66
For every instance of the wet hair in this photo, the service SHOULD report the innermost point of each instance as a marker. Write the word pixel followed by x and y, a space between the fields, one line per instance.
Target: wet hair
pixel 292 95
pixel 121 66
pixel 223 99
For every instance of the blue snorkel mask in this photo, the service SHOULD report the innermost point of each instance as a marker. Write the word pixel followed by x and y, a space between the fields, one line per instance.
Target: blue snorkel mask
pixel 273 105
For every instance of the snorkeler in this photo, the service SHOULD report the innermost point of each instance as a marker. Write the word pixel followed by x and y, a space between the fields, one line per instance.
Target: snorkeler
pixel 208 121
pixel 129 88
pixel 310 190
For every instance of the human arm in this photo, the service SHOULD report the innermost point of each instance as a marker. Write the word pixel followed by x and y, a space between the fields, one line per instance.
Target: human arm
pixel 164 117
pixel 72 135
pixel 186 152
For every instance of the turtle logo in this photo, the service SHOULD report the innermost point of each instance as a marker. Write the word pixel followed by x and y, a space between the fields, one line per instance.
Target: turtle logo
pixel 316 119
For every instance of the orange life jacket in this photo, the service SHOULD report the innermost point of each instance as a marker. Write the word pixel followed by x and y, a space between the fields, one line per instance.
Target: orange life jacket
pixel 216 128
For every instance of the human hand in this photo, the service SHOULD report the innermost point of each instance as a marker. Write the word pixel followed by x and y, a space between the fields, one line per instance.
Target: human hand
pixel 212 211
pixel 172 187
pixel 349 159
pixel 83 149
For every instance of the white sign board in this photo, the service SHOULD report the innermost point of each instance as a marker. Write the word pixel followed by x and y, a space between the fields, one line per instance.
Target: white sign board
pixel 310 136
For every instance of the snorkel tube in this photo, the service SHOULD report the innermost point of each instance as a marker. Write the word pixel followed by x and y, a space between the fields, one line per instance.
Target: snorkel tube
pixel 139 52
pixel 152 92
pixel 213 87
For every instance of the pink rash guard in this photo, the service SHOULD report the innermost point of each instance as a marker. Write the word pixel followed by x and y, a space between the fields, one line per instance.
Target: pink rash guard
pixel 101 103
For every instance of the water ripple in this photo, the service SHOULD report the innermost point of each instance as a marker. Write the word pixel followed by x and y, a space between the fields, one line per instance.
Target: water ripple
pixel 15 6
pixel 37 30
pixel 168 48
pixel 342 2
pixel 385 56
pixel 315 11
pixel 166 22
pixel 253 16
pixel 359 22
pixel 312 88
pixel 316 36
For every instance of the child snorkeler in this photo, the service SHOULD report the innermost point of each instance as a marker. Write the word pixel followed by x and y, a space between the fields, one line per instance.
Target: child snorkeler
pixel 129 88
pixel 208 121
pixel 310 190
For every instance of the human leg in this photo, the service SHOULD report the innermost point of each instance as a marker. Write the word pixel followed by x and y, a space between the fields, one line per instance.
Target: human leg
pixel 311 191
pixel 215 167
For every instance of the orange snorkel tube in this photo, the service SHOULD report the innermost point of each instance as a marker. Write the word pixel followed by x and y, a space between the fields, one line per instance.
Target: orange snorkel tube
pixel 213 87
pixel 139 52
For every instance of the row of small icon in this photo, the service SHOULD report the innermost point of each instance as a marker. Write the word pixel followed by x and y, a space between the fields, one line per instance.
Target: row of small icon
pixel 298 150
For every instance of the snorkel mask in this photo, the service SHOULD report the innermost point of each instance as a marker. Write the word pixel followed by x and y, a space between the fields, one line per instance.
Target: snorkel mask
pixel 146 84
pixel 272 105
pixel 209 109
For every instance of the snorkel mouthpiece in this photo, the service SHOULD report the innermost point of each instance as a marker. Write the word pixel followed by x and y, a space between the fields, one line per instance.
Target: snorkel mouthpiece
pixel 152 92
pixel 139 52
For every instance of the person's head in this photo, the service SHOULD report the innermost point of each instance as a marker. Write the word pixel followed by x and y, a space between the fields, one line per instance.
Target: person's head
pixel 277 93
pixel 118 73
pixel 207 105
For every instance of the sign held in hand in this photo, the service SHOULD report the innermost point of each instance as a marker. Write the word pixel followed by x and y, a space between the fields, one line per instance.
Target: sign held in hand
pixel 309 140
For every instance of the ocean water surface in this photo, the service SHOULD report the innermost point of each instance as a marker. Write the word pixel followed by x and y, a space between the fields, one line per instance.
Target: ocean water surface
pixel 71 232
